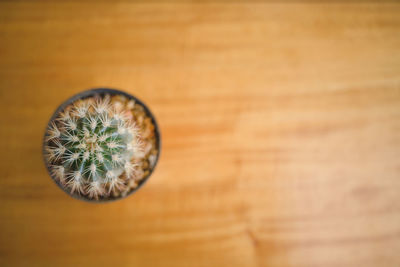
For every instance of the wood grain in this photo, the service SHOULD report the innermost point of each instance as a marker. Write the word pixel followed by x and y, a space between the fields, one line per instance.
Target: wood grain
pixel 280 126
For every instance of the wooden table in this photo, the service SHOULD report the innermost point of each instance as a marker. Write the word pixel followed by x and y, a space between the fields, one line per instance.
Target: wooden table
pixel 280 126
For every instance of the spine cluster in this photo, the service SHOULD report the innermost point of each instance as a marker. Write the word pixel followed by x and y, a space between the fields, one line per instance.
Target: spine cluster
pixel 89 148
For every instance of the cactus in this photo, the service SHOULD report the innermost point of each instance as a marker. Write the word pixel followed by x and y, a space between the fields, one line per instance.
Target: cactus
pixel 89 147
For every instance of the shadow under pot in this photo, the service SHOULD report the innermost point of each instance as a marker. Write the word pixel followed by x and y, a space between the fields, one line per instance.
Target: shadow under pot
pixel 101 145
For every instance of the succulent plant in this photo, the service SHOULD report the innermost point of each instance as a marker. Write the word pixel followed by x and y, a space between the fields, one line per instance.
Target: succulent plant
pixel 89 147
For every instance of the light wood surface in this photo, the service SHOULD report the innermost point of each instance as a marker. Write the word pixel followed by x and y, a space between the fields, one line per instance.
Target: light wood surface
pixel 280 126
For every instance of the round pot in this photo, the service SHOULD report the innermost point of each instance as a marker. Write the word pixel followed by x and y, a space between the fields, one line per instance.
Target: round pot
pixel 112 92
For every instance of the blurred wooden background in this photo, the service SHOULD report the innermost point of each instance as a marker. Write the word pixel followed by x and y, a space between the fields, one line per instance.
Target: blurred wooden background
pixel 280 125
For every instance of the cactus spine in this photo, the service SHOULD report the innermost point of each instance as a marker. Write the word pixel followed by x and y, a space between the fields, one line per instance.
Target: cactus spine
pixel 90 147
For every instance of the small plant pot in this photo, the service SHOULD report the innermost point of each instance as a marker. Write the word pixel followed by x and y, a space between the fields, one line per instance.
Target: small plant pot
pixel 145 160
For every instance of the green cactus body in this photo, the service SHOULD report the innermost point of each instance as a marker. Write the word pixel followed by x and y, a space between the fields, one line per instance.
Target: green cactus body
pixel 90 146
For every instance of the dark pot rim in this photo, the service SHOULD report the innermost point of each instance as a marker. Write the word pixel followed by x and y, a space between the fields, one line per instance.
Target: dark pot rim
pixel 89 93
